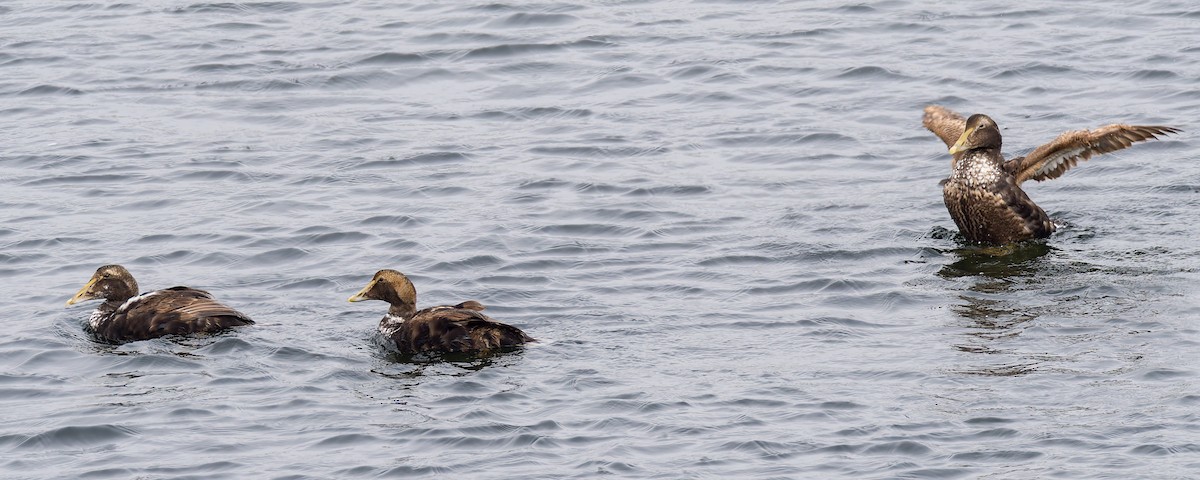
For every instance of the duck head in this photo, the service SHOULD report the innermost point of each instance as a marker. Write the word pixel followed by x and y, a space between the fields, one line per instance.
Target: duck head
pixel 981 132
pixel 389 286
pixel 110 282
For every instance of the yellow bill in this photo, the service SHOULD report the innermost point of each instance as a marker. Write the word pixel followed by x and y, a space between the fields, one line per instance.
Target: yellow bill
pixel 362 294
pixel 961 144
pixel 84 293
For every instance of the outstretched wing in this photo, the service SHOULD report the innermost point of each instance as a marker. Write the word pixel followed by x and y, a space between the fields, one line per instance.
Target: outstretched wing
pixel 944 123
pixel 1055 158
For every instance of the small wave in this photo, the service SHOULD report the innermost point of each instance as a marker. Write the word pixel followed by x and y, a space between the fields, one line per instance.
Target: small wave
pixel 870 72
pixel 309 284
pixel 220 67
pixel 546 184
pixel 50 90
pixel 227 175
pixel 1034 70
pixel 236 26
pixel 470 263
pixel 700 98
pixel 333 238
pixel 1153 75
pixel 622 81
pixel 368 79
pixel 347 440
pixel 902 447
pixel 525 20
pixel 601 152
pixel 458 37
pixel 52 242
pixel 278 256
pixel 996 456
pixel 1166 374
pixel 251 85
pixel 509 50
pixel 78 437
pixel 142 205
pixel 535 113
pixel 589 230
pixel 431 158
pixel 499 51
pixel 240 7
pixel 670 190
pixel 784 139
pixel 391 58
pixel 393 220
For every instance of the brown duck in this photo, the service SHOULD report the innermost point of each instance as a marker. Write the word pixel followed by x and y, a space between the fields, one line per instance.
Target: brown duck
pixel 983 193
pixel 126 316
pixel 458 328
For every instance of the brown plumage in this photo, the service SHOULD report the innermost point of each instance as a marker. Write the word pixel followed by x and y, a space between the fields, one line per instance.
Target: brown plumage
pixel 126 316
pixel 458 328
pixel 983 193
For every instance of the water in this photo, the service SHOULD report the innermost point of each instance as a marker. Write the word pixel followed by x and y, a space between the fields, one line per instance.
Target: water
pixel 722 219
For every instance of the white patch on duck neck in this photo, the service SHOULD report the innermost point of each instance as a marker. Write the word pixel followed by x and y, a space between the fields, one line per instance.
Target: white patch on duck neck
pixel 391 324
pixel 97 317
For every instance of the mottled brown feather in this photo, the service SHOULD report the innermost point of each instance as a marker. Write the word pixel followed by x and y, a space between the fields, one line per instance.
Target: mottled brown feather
pixel 1000 214
pixel 444 328
pixel 451 329
pixel 173 311
pixel 1051 160
pixel 125 316
pixel 983 193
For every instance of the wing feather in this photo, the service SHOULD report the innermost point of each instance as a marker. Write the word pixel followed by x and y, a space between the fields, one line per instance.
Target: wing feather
pixel 1053 159
pixel 456 329
pixel 176 310
pixel 944 123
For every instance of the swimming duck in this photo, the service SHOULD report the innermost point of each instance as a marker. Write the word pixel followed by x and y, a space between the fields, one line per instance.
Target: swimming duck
pixel 983 193
pixel 126 316
pixel 458 328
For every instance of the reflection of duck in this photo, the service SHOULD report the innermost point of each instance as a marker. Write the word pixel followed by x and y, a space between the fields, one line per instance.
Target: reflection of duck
pixel 1000 262
pixel 458 328
pixel 983 193
pixel 126 316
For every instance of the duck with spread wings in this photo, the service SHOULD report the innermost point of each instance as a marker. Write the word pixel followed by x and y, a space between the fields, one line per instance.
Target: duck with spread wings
pixel 983 193
pixel 126 316
pixel 445 329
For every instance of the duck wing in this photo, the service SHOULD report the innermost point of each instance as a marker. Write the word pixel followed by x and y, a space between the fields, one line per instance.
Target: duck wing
pixel 172 311
pixel 944 123
pixel 453 329
pixel 471 305
pixel 1051 160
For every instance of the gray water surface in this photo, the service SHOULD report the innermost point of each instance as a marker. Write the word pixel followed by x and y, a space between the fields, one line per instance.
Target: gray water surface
pixel 721 218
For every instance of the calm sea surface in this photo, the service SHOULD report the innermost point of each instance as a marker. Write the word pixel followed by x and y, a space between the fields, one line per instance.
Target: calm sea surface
pixel 722 219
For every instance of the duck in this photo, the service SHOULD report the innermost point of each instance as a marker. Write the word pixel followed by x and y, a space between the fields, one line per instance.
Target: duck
pixel 126 316
pixel 983 192
pixel 460 328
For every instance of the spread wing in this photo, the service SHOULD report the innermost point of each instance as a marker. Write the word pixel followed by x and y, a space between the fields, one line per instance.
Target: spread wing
pixel 176 310
pixel 944 123
pixel 1055 158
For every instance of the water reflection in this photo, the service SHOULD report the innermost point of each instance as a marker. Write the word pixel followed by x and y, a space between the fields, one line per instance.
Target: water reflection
pixel 992 304
pixel 421 364
pixel 999 262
